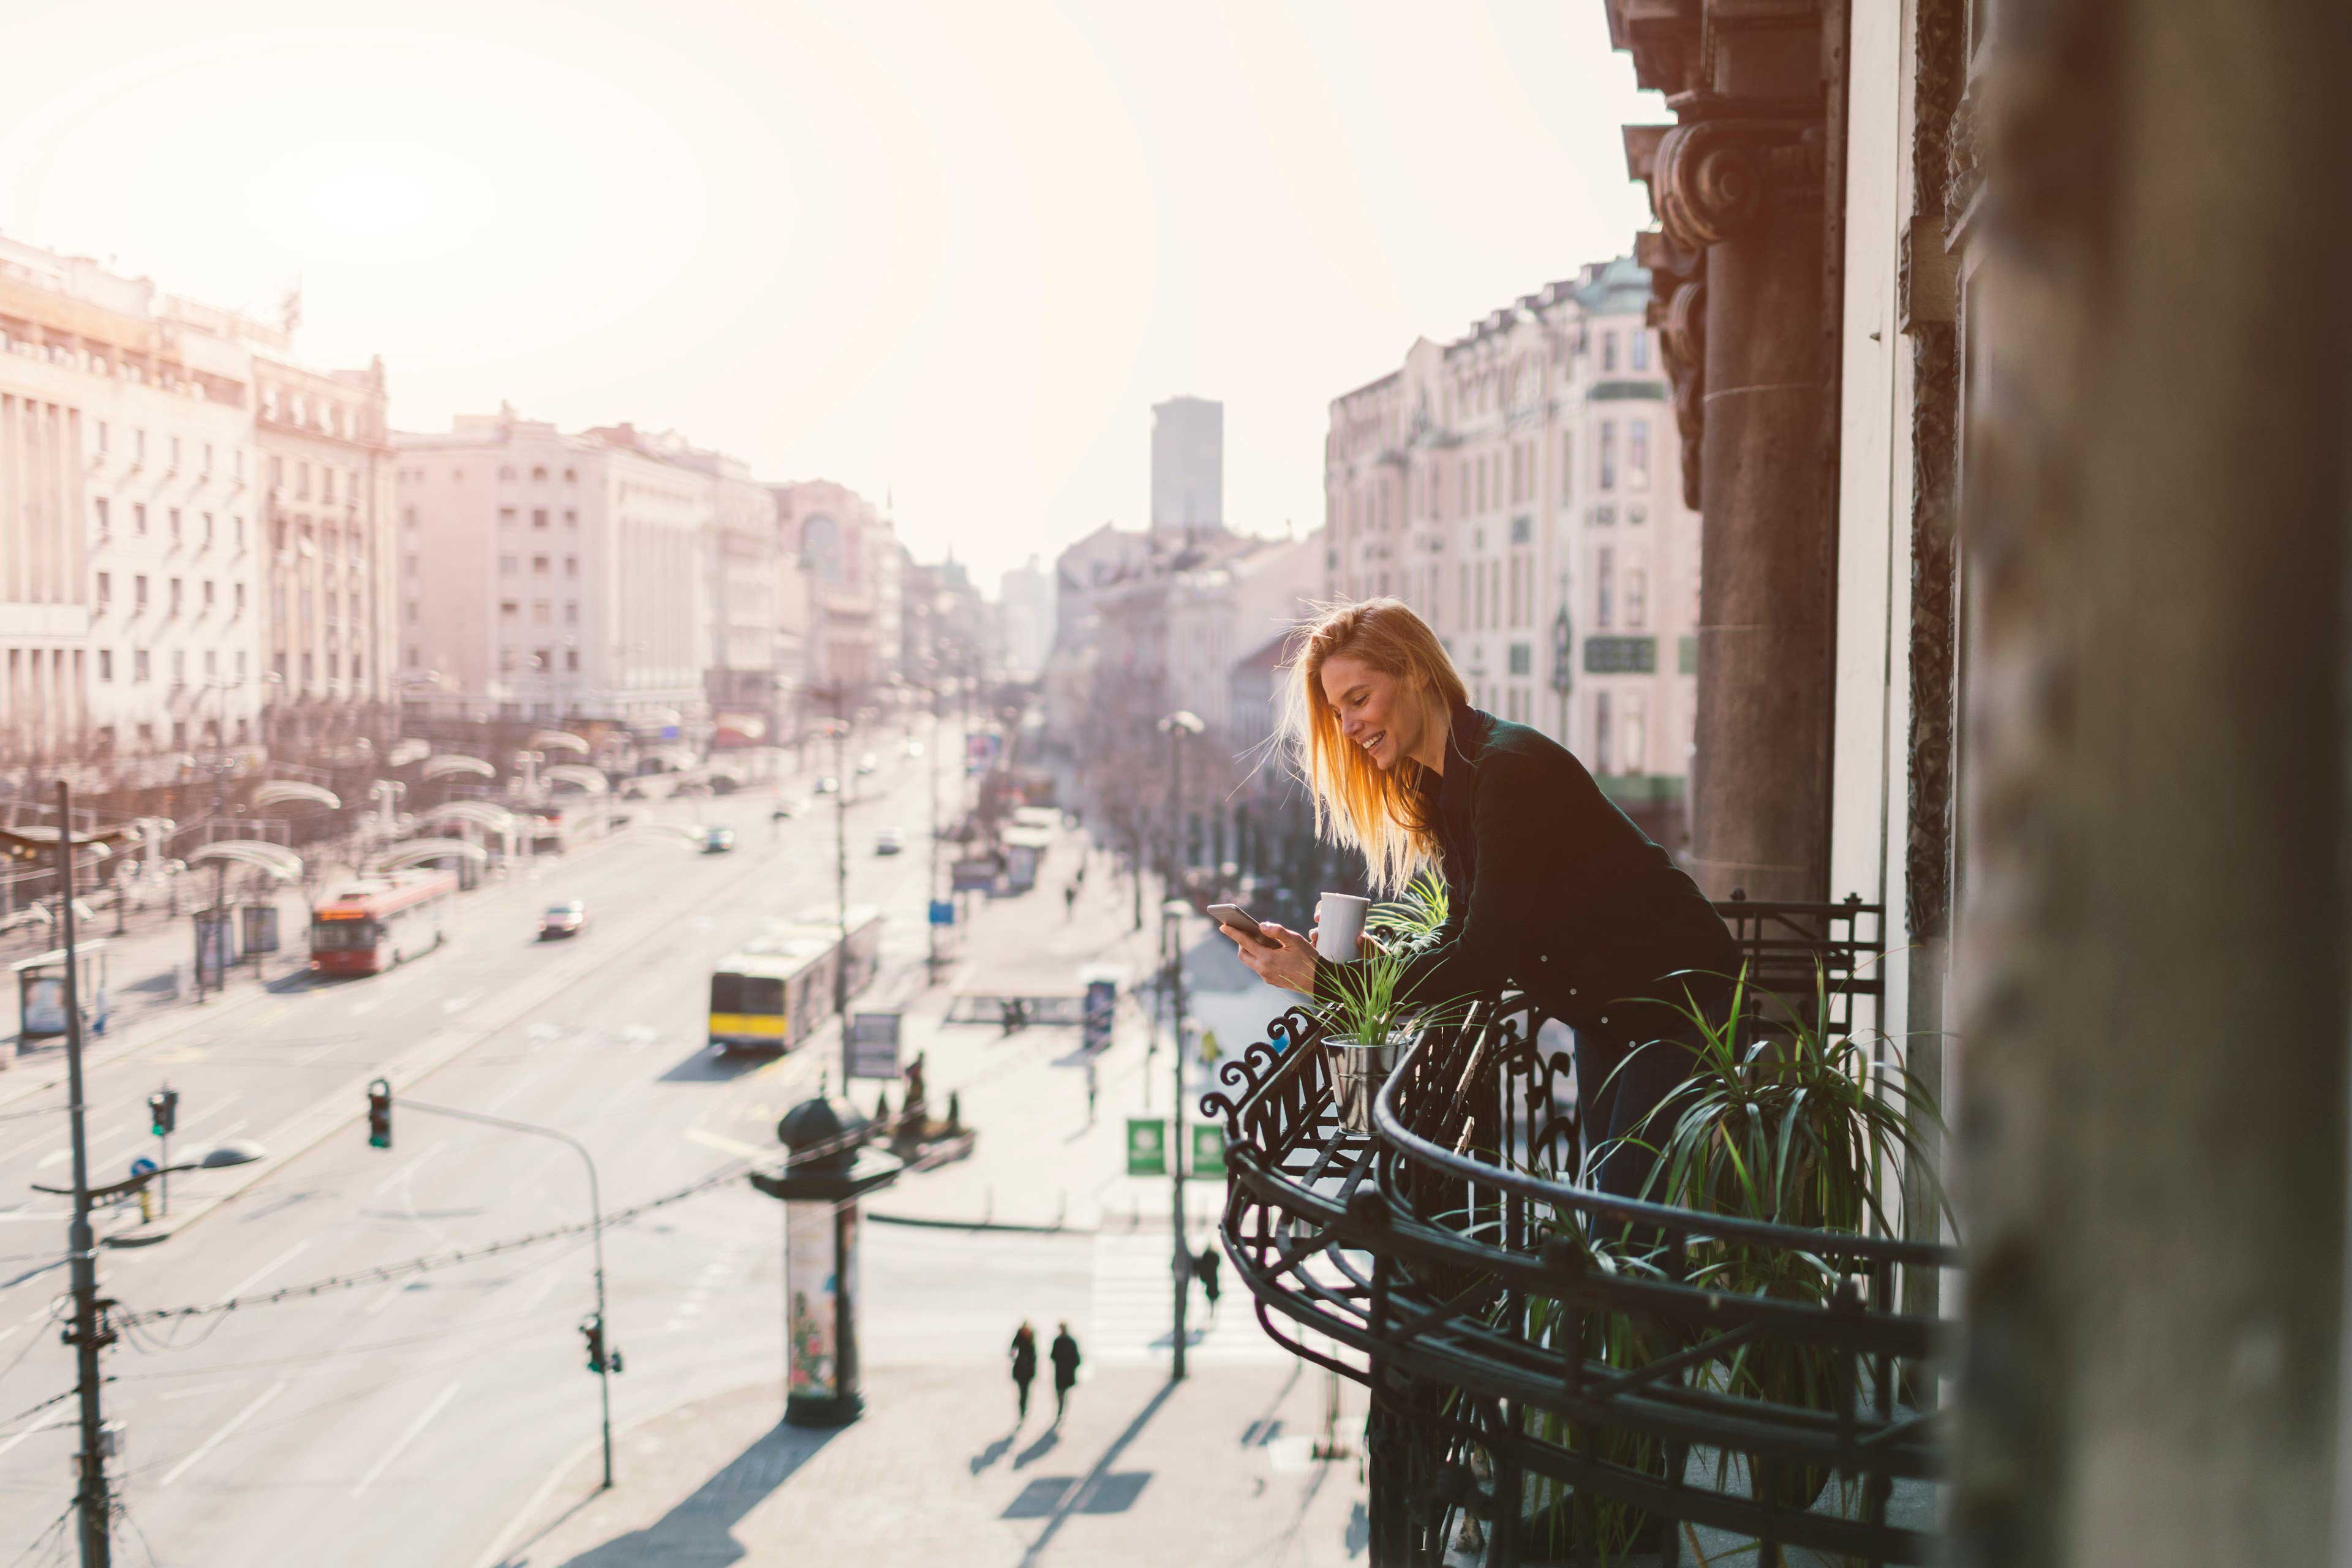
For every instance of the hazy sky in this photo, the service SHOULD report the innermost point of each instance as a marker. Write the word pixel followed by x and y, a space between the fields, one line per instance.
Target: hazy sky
pixel 954 250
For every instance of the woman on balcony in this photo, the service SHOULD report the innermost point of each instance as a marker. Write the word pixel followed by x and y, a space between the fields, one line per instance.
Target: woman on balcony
pixel 1553 891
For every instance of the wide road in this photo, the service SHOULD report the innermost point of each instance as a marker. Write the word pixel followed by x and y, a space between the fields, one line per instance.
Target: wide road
pixel 406 1422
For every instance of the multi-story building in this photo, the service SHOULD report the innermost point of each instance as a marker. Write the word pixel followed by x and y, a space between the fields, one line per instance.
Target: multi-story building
pixel 551 577
pixel 1227 609
pixel 848 556
pixel 1521 488
pixel 331 578
pixel 739 553
pixel 1188 464
pixel 1026 606
pixel 129 569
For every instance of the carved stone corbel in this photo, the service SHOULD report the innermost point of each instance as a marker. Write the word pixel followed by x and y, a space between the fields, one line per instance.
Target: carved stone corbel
pixel 1678 313
pixel 1711 178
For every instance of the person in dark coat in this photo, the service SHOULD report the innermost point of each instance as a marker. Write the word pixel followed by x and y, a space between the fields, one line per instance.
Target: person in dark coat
pixel 1024 1366
pixel 1204 1268
pixel 1065 1371
pixel 1551 888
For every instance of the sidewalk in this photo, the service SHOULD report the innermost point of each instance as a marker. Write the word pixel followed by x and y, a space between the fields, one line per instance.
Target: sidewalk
pixel 1039 1163
pixel 1212 1472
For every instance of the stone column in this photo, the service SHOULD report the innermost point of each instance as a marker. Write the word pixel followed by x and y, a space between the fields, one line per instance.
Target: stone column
pixel 1742 300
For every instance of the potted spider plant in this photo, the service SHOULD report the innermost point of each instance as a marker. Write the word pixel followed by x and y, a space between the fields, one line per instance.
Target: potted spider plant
pixel 1367 1019
pixel 1782 1121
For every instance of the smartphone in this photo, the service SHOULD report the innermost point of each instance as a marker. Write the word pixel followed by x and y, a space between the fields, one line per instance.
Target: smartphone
pixel 1238 918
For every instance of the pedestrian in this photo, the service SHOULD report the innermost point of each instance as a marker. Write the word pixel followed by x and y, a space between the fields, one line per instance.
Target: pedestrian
pixel 1065 1371
pixel 1090 1093
pixel 1204 1267
pixel 1069 900
pixel 1024 1368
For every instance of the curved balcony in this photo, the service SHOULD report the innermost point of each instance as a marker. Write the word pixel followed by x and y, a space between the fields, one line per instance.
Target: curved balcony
pixel 1558 1374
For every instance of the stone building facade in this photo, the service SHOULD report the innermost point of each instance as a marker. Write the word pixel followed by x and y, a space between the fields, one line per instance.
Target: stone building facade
pixel 1521 489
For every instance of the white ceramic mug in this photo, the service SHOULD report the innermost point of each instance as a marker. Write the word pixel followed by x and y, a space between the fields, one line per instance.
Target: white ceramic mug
pixel 1340 926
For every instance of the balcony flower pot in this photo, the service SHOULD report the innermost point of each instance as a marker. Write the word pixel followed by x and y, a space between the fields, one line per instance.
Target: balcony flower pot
pixel 1359 1071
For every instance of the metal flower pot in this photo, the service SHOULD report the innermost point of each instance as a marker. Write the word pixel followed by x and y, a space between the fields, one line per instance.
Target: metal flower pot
pixel 1358 1073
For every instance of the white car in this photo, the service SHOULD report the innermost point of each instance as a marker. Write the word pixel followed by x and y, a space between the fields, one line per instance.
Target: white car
pixel 866 764
pixel 887 842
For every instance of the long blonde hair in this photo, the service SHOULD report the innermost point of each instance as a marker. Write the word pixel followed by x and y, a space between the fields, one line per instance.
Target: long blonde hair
pixel 1356 803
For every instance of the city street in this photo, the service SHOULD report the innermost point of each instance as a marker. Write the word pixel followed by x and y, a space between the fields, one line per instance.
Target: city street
pixel 426 1419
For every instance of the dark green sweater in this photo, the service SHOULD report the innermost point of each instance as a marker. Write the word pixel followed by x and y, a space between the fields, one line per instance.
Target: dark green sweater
pixel 1554 891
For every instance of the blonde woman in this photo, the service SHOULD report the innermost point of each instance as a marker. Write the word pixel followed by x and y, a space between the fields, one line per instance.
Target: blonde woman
pixel 1553 890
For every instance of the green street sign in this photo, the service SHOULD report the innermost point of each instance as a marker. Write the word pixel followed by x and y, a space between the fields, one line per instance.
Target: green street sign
pixel 1147 1146
pixel 1208 1149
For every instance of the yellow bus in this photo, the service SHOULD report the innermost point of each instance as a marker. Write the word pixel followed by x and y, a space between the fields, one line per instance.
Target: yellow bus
pixel 777 990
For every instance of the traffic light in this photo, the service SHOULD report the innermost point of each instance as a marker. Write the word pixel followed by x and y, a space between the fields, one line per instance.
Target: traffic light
pixel 380 1114
pixel 592 1329
pixel 162 1111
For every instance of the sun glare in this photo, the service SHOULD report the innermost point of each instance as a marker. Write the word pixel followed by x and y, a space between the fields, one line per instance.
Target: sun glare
pixel 373 202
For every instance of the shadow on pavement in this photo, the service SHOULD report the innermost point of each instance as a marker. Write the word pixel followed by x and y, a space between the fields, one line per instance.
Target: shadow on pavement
pixel 286 984
pixel 1101 1489
pixel 1038 1450
pixel 700 1530
pixel 707 1066
pixel 992 1453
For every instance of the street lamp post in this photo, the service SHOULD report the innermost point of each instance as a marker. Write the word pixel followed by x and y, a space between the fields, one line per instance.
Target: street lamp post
pixel 1177 726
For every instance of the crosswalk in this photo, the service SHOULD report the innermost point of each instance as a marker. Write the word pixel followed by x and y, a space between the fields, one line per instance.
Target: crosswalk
pixel 1133 1302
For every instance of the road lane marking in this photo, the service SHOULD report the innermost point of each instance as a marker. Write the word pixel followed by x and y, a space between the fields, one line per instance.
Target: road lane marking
pixel 415 1427
pixel 361 1008
pixel 265 1271
pixel 459 1004
pixel 727 1145
pixel 405 1172
pixel 236 1421
pixel 46 1422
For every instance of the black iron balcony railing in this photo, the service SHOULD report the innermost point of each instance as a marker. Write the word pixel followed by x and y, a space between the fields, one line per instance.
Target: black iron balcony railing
pixel 1536 1396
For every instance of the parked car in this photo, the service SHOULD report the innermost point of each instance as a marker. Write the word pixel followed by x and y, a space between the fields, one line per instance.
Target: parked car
pixel 887 842
pixel 567 919
pixel 828 786
pixel 718 840
pixel 784 812
pixel 866 764
pixel 914 748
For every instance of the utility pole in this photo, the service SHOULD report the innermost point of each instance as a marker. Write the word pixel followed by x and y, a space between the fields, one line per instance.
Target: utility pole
pixel 89 1336
pixel 1180 1263
pixel 931 762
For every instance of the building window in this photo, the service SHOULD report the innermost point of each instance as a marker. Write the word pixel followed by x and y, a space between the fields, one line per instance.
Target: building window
pixel 302 481
pixel 506 517
pixel 236 533
pixel 1632 740
pixel 572 566
pixel 1608 351
pixel 538 565
pixel 175 466
pixel 334 665
pixel 570 475
pixel 310 669
pixel 506 565
pixel 105 589
pixel 179 666
pixel 509 609
pixel 106 664
pixel 571 518
pixel 140 669
pixel 208 596
pixel 505 471
pixel 506 660
pixel 98 507
pixel 278 667
pixel 1637 454
pixel 208 528
pixel 1602 759
pixel 212 664
pixel 539 516
pixel 240 598
pixel 1609 454
pixel 1637 598
pixel 1522 659
pixel 102 435
pixel 571 615
pixel 1640 351
pixel 408 517
pixel 538 476
pixel 412 618
pixel 138 447
pixel 1604 587
pixel 139 592
pixel 539 613
pixel 176 596
pixel 139 517
pixel 325 484
pixel 355 668
pixel 171 517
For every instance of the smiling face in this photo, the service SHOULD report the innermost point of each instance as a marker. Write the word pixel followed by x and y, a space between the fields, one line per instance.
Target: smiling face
pixel 1376 710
